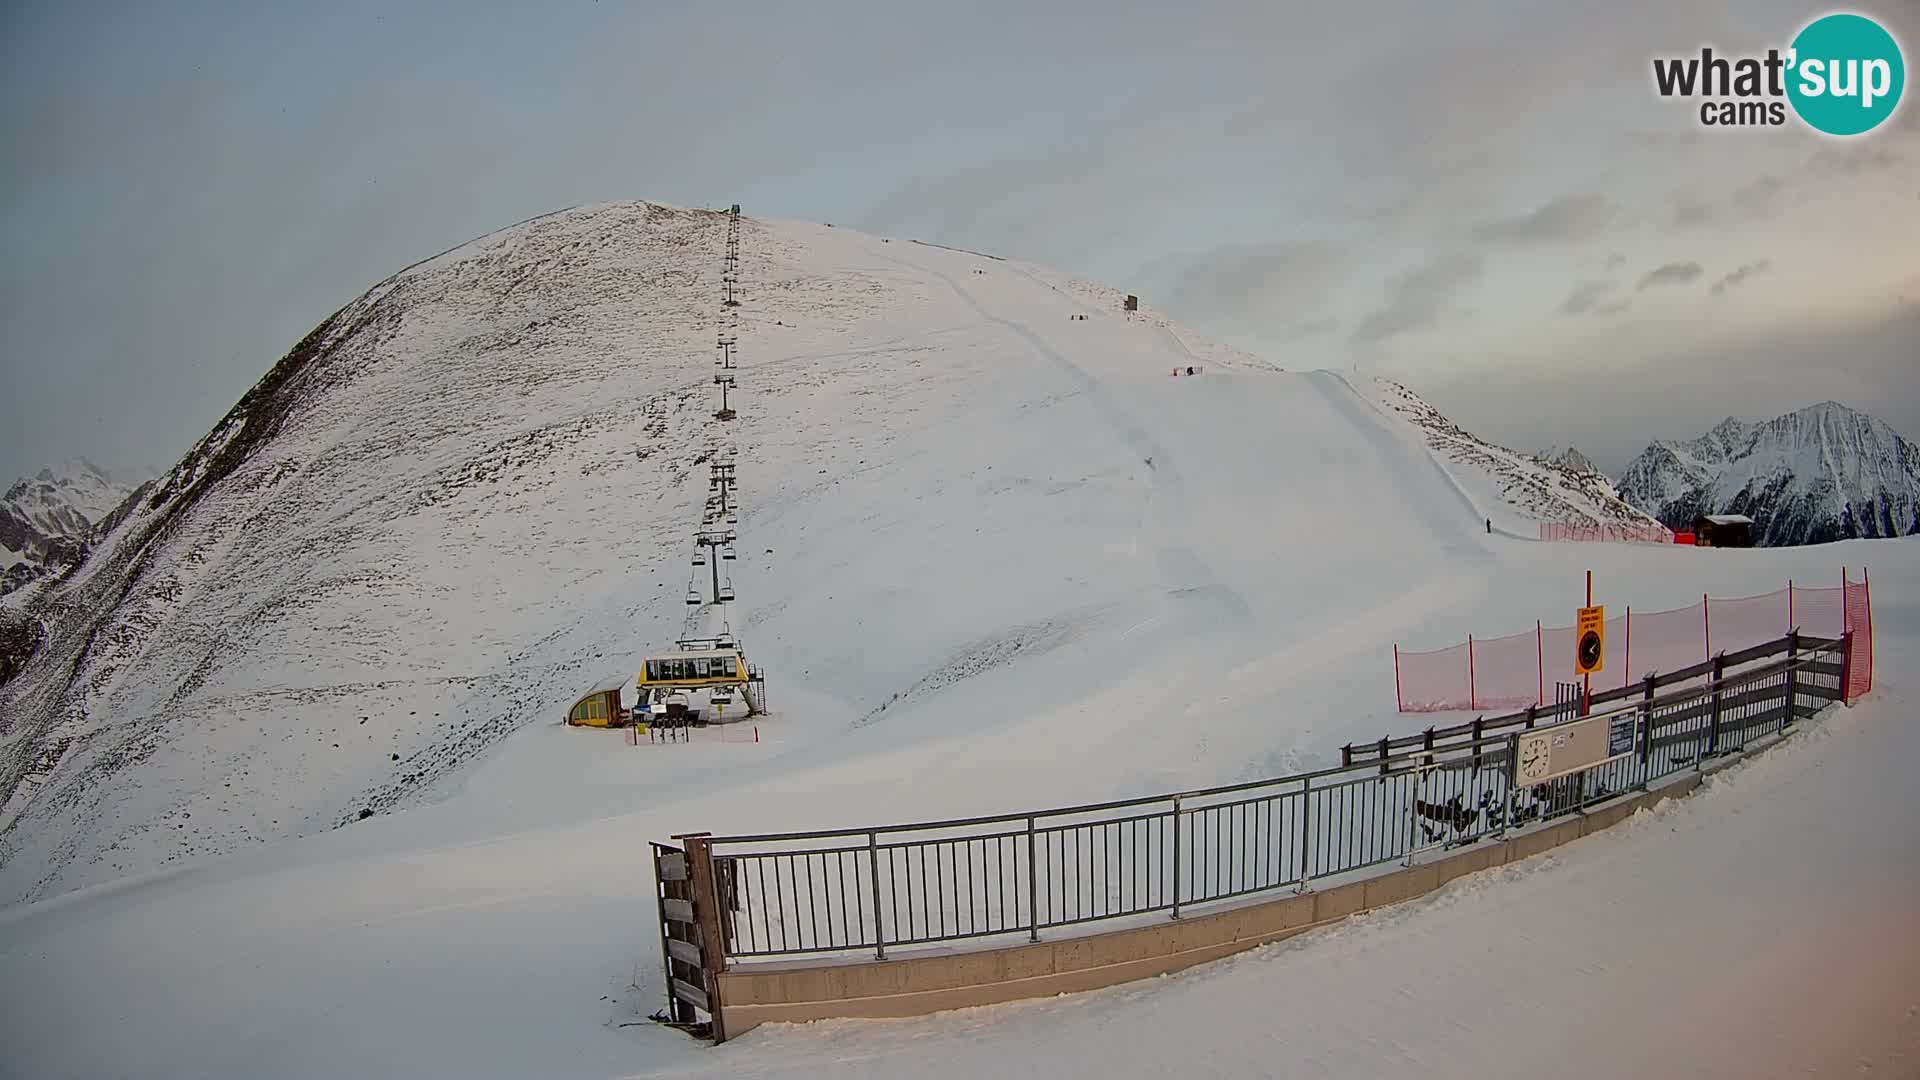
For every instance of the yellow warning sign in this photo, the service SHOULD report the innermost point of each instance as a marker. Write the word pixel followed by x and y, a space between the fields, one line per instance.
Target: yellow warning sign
pixel 1590 637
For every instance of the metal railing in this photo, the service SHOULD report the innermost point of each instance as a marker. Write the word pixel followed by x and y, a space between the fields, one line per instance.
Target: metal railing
pixel 861 889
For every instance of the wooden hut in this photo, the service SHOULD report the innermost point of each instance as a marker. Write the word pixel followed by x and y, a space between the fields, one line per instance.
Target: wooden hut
pixel 600 706
pixel 1723 530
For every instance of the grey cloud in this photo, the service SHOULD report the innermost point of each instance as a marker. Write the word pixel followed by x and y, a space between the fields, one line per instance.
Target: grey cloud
pixel 1616 259
pixel 1741 274
pixel 1243 280
pixel 1417 297
pixel 1678 390
pixel 1760 197
pixel 1830 161
pixel 1567 219
pixel 1585 297
pixel 1690 209
pixel 1673 273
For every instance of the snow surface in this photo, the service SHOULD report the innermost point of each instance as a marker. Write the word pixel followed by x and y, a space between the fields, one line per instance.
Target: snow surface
pixel 1764 928
pixel 992 558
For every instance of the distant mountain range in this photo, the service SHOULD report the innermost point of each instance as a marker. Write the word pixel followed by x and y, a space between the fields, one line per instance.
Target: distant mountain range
pixel 1822 473
pixel 47 520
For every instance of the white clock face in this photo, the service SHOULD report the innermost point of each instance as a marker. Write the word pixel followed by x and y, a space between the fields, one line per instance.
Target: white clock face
pixel 1533 758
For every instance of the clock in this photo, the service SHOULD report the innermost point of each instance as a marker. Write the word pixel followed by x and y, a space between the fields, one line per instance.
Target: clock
pixel 1533 757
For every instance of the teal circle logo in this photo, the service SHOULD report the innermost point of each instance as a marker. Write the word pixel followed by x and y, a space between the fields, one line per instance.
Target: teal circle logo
pixel 1847 74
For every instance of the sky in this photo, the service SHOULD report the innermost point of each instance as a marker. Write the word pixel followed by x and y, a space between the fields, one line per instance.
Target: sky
pixel 1486 201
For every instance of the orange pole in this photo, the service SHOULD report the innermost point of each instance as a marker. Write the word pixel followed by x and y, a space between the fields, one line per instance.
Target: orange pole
pixel 1586 703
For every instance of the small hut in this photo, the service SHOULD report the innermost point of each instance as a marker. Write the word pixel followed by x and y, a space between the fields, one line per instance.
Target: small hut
pixel 1723 530
pixel 600 706
pixel 1133 303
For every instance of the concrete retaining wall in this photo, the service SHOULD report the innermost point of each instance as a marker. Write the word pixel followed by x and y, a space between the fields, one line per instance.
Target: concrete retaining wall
pixel 913 985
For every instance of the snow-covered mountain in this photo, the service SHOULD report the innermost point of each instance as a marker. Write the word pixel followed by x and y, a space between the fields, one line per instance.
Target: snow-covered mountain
pixel 46 519
pixel 1822 473
pixel 1569 456
pixel 469 495
pixel 1521 489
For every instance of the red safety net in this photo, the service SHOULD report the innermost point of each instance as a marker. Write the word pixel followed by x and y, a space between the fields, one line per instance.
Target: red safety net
pixel 1521 669
pixel 1605 534
pixel 1859 620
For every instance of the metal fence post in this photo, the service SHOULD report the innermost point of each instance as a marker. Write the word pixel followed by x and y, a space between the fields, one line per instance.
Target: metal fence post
pixel 1033 888
pixel 1176 856
pixel 1646 738
pixel 1306 837
pixel 873 866
pixel 1793 679
pixel 1713 726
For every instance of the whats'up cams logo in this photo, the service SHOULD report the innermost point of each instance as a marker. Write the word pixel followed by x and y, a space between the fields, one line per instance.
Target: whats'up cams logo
pixel 1842 75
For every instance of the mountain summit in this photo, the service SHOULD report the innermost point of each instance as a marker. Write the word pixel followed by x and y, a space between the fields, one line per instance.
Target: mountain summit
pixel 47 519
pixel 1822 473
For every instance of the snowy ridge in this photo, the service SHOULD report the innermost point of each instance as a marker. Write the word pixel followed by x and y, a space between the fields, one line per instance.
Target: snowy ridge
pixel 1515 491
pixel 1822 473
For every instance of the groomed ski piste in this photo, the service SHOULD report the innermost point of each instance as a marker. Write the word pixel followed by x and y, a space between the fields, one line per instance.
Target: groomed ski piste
pixel 993 558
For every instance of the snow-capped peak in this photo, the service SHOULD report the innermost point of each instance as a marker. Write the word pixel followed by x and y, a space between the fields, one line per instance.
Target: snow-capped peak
pixel 1823 472
pixel 47 518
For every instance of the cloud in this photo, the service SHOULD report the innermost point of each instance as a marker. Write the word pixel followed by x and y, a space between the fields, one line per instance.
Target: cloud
pixel 1673 273
pixel 1761 196
pixel 1243 280
pixel 1741 274
pixel 1829 161
pixel 1566 220
pixel 1586 297
pixel 1417 296
pixel 1690 209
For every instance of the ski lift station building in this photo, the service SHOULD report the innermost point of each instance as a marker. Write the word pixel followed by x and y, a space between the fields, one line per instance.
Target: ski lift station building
pixel 715 672
pixel 600 706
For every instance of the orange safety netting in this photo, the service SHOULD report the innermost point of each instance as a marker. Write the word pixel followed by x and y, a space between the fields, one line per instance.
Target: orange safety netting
pixel 1519 670
pixel 1605 534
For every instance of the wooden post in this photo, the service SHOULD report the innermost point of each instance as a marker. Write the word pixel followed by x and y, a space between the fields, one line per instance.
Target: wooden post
pixel 706 910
